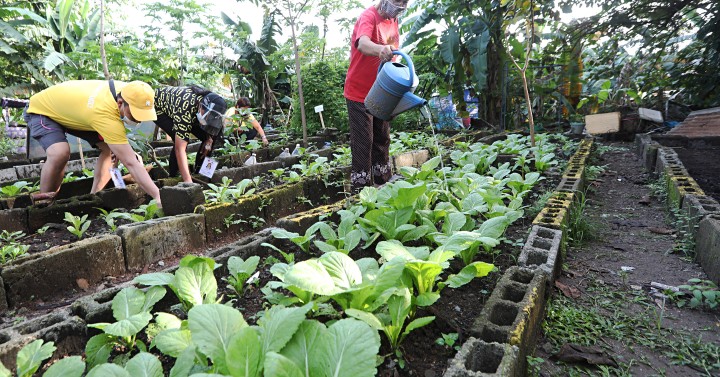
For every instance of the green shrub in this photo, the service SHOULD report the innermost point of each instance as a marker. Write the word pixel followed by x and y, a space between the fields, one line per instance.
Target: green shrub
pixel 322 85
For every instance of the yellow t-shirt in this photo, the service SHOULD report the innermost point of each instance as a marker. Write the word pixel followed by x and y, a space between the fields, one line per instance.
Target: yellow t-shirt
pixel 83 105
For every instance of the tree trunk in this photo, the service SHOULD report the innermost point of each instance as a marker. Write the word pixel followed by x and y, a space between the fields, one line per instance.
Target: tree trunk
pixel 103 57
pixel 299 81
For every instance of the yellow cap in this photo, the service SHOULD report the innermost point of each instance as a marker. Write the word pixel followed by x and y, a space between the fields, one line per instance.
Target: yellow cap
pixel 141 98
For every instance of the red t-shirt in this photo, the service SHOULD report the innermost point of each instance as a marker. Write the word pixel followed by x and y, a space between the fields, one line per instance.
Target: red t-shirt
pixel 363 69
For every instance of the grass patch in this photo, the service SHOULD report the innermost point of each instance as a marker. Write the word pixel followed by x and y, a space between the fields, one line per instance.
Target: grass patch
pixel 601 316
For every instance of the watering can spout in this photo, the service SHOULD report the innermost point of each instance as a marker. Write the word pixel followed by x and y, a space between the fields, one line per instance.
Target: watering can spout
pixel 408 101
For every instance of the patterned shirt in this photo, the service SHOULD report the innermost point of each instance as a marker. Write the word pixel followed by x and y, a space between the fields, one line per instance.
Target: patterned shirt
pixel 180 104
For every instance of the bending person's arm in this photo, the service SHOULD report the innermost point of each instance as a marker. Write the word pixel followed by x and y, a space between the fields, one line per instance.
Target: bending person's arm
pixel 181 155
pixel 126 155
pixel 260 131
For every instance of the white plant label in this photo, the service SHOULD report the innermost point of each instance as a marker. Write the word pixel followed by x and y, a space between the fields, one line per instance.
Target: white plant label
pixel 208 167
pixel 319 108
pixel 117 178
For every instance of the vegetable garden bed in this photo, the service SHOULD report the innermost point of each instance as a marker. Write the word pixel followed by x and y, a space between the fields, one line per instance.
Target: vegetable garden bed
pixel 468 296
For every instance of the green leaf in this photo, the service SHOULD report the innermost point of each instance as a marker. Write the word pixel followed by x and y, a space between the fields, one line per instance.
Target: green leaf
pixel 212 326
pixel 469 272
pixel 277 365
pixel 32 355
pixel 173 342
pixel 427 298
pixel 245 354
pixel 307 342
pixel 152 296
pixel 237 265
pixel 279 324
pixel 366 317
pixel 392 249
pixel 352 351
pixel 129 326
pixel 343 269
pixel 72 366
pixel 417 323
pixel 156 278
pixel 184 363
pixel 98 348
pixel 196 284
pixel 128 302
pixel 450 45
pixel 311 276
pixel 144 365
pixel 108 370
pixel 4 372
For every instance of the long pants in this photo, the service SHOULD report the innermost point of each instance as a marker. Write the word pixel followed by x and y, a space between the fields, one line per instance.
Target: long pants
pixel 370 146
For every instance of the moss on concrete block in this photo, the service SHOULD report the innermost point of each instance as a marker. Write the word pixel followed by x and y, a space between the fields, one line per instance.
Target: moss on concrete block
pixel 55 271
pixel 219 217
pixel 150 241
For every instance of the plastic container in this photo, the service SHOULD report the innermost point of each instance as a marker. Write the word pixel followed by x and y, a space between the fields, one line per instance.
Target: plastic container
pixel 252 160
pixel 285 153
pixel 296 151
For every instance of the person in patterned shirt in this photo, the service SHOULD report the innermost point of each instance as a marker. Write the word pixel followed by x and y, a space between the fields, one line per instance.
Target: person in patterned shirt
pixel 186 111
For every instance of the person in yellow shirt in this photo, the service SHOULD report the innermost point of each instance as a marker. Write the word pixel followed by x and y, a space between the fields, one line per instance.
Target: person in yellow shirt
pixel 97 111
pixel 249 126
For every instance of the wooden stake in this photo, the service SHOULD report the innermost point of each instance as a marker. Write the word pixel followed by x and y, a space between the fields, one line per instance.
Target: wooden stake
pixel 82 156
pixel 321 120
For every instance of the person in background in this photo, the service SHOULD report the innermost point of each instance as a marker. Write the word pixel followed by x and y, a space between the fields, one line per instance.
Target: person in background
pixel 249 126
pixel 98 112
pixel 186 111
pixel 374 38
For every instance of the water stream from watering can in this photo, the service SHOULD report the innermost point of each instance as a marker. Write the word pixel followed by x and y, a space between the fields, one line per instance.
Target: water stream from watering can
pixel 425 110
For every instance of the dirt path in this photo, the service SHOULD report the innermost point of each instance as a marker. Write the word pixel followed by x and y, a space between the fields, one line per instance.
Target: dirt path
pixel 611 309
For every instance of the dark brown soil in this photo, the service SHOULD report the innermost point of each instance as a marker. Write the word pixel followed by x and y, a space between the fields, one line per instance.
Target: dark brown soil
pixel 702 164
pixel 628 234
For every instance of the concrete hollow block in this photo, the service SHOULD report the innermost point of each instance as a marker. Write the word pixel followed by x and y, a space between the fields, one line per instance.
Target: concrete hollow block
pixel 640 140
pixel 8 175
pixel 14 220
pixel 478 358
pixel 28 171
pixel 569 184
pixel 403 159
pixel 282 200
pixel 78 206
pixel 66 331
pixel 129 197
pixel 300 222
pixel 150 241
pixel 55 271
pixel 707 246
pixel 649 155
pixel 181 198
pixel 219 217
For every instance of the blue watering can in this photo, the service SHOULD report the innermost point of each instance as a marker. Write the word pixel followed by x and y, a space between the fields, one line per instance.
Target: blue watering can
pixel 392 92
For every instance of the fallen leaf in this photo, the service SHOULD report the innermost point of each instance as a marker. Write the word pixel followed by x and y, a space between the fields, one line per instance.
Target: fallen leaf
pixel 83 284
pixel 567 290
pixel 575 353
pixel 661 230
pixel 645 200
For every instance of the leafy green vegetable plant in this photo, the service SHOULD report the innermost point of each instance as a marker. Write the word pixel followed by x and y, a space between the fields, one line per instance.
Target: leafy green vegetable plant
pixel 110 216
pixel 16 189
pixel 702 292
pixel 131 310
pixel 12 251
pixel 11 237
pixel 193 282
pixel 392 322
pixel 30 358
pixel 240 271
pixel 448 340
pixel 78 225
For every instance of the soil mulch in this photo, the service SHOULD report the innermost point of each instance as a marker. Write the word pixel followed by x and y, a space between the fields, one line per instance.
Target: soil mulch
pixel 632 233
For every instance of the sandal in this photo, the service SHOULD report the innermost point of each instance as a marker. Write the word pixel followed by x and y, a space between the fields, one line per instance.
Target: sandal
pixel 43 199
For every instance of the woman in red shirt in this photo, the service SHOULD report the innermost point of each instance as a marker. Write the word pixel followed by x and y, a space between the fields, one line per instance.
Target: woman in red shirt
pixel 373 41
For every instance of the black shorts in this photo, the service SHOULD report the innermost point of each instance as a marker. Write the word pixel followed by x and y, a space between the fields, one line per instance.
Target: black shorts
pixel 48 132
